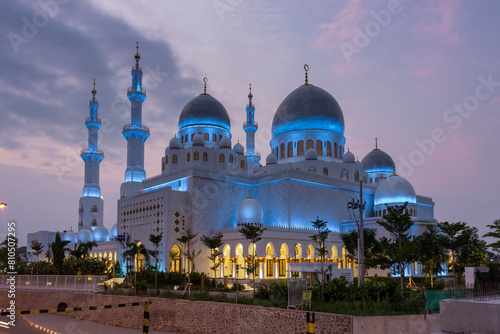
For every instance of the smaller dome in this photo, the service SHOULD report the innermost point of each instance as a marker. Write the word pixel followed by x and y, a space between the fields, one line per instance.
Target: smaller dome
pixel 359 163
pixel 114 232
pixel 394 190
pixel 101 233
pixel 238 148
pixel 256 168
pixel 85 235
pixel 71 237
pixel 198 140
pixel 175 144
pixel 271 159
pixel 249 212
pixel 378 161
pixel 225 142
pixel 349 157
pixel 311 154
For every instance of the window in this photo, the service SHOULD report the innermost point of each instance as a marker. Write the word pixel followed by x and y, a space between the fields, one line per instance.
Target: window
pixel 231 158
pixel 319 147
pixel 325 171
pixel 80 223
pixel 290 149
pixel 300 148
pixel 186 139
pixel 205 156
pixel 376 180
pixel 309 144
pixel 371 180
pixel 335 150
pixel 411 212
pixel 283 151
pixel 328 149
pixel 312 169
pixel 174 159
pixel 205 136
pixel 166 159
pixel 364 179
pixel 242 164
pixel 192 136
pixel 341 152
pixel 214 137
pixel 344 174
pixel 220 137
pixel 221 158
pixel 182 139
pixel 356 176
pixel 94 222
pixel 163 165
pixel 282 267
pixel 189 157
pixel 196 155
pixel 269 267
pixel 383 212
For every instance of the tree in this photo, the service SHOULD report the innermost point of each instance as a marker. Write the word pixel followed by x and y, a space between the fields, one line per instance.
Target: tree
pixel 397 221
pixel 373 250
pixel 213 243
pixel 473 253
pixel 58 251
pixel 253 233
pixel 320 239
pixel 155 239
pixel 431 252
pixel 36 249
pixel 133 250
pixel 48 253
pixel 453 238
pixel 172 255
pixel 494 233
pixel 187 239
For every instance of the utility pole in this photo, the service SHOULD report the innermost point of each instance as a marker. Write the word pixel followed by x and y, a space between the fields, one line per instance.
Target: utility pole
pixel 361 278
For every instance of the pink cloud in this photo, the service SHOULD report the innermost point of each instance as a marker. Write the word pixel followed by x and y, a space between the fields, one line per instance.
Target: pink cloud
pixel 439 22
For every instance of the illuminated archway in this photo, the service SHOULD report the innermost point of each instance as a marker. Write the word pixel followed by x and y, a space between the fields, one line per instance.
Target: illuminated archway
pixel 175 258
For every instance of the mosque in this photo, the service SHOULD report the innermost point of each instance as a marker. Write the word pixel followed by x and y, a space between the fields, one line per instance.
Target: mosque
pixel 211 186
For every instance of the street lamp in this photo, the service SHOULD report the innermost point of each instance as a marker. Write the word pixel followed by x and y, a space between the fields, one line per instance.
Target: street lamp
pixel 3 205
pixel 355 204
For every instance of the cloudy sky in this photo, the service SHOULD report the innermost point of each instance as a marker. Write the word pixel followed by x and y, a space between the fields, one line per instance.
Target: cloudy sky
pixel 421 76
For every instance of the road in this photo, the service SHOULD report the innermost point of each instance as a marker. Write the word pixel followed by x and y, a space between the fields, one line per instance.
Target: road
pixel 21 327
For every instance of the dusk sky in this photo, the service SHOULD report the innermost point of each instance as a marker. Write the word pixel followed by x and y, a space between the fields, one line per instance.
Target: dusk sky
pixel 421 76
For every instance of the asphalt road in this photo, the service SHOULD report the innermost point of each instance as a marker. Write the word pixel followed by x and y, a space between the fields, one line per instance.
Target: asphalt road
pixel 21 327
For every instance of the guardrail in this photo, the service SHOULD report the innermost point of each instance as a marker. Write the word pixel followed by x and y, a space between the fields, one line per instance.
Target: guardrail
pixel 85 283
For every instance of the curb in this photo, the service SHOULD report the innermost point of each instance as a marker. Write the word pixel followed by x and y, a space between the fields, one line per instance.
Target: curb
pixel 43 329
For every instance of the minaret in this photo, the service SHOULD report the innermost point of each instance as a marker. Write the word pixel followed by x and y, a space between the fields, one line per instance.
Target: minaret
pixel 91 203
pixel 250 127
pixel 135 133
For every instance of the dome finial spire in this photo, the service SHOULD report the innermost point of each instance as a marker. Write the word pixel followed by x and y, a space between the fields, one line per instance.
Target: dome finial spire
pixel 249 194
pixel 137 55
pixel 376 143
pixel 205 85
pixel 306 68
pixel 93 89
pixel 394 170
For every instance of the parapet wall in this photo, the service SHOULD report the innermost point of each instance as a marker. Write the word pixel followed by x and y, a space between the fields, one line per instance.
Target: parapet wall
pixel 184 316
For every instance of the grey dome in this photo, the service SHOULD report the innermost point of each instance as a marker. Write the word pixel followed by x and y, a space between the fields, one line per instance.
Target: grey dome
pixel 249 211
pixel 100 233
pixel 311 154
pixel 204 110
pixel 395 190
pixel 238 148
pixel 70 236
pixel 308 108
pixel 114 232
pixel 85 235
pixel 225 142
pixel 256 168
pixel 378 161
pixel 175 144
pixel 271 159
pixel 198 140
pixel 349 157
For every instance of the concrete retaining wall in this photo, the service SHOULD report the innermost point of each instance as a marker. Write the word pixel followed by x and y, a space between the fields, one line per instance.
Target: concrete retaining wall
pixel 184 316
pixel 414 324
pixel 468 316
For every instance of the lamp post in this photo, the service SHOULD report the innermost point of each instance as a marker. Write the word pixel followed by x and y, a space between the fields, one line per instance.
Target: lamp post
pixel 355 204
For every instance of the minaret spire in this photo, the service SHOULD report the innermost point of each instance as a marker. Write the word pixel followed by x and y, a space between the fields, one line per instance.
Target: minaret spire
pixel 250 127
pixel 91 203
pixel 135 133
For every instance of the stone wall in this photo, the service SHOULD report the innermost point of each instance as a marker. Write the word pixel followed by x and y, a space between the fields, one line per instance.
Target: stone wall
pixel 184 316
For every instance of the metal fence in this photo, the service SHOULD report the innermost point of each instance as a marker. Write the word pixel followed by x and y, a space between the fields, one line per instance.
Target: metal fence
pixel 481 292
pixel 296 288
pixel 83 283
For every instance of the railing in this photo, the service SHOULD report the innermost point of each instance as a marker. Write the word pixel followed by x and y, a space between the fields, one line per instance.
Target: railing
pixel 88 120
pixel 85 283
pixel 133 90
pixel 480 292
pixel 135 127
pixel 93 101
pixel 254 123
pixel 86 151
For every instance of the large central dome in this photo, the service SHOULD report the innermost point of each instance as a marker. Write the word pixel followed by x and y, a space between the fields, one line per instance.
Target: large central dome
pixel 308 108
pixel 204 110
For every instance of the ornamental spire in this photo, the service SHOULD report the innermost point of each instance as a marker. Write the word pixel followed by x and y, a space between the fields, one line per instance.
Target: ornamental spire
pixel 250 95
pixel 205 85
pixel 306 68
pixel 376 143
pixel 93 91
pixel 137 55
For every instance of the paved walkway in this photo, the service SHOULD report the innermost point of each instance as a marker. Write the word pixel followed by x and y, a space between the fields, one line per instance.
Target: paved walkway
pixel 58 324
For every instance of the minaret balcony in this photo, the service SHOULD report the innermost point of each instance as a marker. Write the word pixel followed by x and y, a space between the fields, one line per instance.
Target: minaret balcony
pixel 93 121
pixel 133 90
pixel 254 124
pixel 87 151
pixel 128 127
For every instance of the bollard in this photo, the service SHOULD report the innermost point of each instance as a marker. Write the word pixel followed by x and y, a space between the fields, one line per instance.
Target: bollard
pixel 225 281
pixel 311 327
pixel 145 327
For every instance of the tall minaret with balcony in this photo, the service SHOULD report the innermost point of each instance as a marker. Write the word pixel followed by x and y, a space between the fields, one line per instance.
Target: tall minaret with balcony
pixel 250 127
pixel 135 133
pixel 91 203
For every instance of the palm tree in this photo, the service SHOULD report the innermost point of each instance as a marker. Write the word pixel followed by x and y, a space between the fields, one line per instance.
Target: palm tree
pixel 432 253
pixel 155 240
pixel 494 233
pixel 134 249
pixel 453 238
pixel 320 239
pixel 213 243
pixel 36 249
pixel 253 233
pixel 187 238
